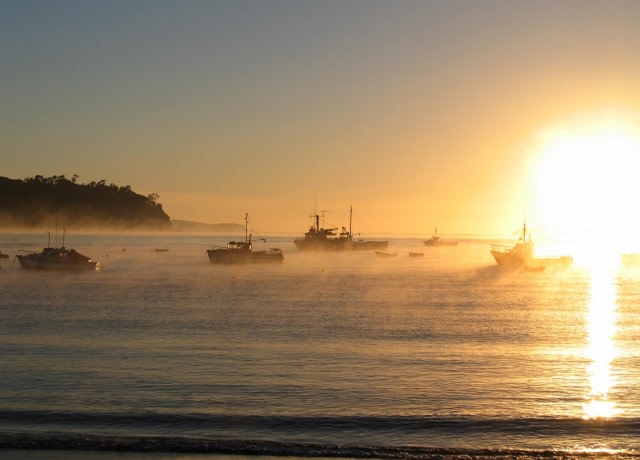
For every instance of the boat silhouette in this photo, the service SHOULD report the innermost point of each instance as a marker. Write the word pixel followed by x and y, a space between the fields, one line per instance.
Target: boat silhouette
pixel 241 252
pixel 326 239
pixel 521 255
pixel 435 241
pixel 60 258
pixel 386 254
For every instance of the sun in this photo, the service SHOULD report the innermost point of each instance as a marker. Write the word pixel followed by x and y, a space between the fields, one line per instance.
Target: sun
pixel 585 186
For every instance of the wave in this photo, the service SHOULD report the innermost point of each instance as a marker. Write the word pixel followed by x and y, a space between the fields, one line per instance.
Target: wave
pixel 273 448
pixel 347 436
pixel 540 425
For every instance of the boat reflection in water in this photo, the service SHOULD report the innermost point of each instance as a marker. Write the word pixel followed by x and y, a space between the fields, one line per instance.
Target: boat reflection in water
pixel 325 239
pixel 241 252
pixel 602 349
pixel 57 259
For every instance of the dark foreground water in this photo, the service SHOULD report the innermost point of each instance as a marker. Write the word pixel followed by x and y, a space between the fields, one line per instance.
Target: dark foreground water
pixel 324 355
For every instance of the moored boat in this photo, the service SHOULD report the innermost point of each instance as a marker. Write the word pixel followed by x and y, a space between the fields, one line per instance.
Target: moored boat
pixel 386 254
pixel 326 239
pixel 521 255
pixel 60 258
pixel 435 241
pixel 242 251
pixel 322 239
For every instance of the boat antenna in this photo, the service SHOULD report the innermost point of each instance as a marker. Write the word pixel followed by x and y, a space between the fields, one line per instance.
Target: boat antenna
pixel 246 225
pixel 316 217
pixel 49 240
pixel 64 230
pixel 350 219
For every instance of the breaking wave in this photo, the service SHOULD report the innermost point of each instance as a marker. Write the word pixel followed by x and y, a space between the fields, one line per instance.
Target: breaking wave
pixel 297 436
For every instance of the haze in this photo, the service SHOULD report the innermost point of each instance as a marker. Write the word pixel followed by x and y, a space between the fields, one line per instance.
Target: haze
pixel 417 113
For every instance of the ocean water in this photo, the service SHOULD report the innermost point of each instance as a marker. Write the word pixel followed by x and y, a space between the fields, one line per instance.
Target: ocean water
pixel 324 355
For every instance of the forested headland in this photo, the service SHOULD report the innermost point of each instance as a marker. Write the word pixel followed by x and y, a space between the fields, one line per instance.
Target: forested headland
pixel 46 201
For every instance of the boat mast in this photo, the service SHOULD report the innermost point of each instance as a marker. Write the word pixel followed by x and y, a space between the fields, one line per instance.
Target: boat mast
pixel 246 225
pixel 315 212
pixel 350 219
pixel 64 230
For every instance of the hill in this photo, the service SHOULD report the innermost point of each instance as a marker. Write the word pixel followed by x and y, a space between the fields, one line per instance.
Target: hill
pixel 43 201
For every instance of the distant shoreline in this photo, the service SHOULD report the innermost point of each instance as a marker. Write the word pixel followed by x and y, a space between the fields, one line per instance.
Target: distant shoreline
pixel 178 225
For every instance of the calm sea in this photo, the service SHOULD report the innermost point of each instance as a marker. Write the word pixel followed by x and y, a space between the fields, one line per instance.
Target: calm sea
pixel 341 354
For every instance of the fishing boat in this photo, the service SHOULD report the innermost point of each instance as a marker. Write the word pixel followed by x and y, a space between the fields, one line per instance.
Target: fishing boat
pixel 60 258
pixel 435 241
pixel 323 239
pixel 241 252
pixel 386 254
pixel 326 239
pixel 521 255
pixel 416 254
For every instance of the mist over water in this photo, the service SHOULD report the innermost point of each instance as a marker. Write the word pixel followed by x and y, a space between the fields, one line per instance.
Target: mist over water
pixel 441 351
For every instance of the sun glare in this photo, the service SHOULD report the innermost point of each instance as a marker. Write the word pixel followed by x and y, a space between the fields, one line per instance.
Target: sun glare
pixel 602 350
pixel 585 185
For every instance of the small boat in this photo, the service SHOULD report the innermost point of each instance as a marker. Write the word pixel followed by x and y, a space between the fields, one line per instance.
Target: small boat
pixel 4 255
pixel 57 259
pixel 161 250
pixel 435 241
pixel 416 254
pixel 242 251
pixel 326 239
pixel 386 254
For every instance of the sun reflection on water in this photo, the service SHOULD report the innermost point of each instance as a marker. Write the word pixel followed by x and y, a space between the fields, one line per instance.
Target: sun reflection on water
pixel 602 349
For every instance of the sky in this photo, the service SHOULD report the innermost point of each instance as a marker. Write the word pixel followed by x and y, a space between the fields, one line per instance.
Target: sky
pixel 416 113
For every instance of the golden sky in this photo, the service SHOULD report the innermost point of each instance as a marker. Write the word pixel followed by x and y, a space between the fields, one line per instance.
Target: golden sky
pixel 417 113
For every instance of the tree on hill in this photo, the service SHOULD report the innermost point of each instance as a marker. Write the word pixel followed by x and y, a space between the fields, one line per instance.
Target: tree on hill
pixel 38 201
